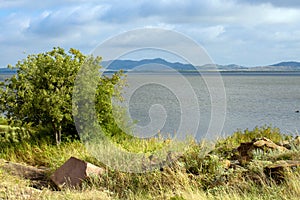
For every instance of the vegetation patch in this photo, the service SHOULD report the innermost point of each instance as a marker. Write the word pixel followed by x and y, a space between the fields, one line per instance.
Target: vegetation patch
pixel 193 175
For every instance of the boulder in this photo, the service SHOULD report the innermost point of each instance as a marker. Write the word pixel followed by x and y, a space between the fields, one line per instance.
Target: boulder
pixel 73 172
pixel 285 163
pixel 265 142
pixel 277 170
pixel 37 176
pixel 245 150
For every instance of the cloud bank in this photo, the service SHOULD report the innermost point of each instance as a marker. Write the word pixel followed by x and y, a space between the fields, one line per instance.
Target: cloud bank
pixel 232 31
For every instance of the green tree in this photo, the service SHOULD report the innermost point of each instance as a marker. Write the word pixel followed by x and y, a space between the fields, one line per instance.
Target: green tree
pixel 40 93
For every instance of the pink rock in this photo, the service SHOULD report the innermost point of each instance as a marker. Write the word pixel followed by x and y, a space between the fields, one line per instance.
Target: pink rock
pixel 73 172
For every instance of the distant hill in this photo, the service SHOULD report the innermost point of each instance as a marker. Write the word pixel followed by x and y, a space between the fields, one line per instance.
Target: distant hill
pixel 287 64
pixel 282 66
pixel 156 64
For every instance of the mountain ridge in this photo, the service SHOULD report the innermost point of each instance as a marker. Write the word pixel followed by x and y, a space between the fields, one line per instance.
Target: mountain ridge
pixel 287 63
pixel 159 64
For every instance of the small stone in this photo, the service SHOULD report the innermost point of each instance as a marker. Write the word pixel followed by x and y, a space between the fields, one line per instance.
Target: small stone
pixel 285 142
pixel 297 141
pixel 226 164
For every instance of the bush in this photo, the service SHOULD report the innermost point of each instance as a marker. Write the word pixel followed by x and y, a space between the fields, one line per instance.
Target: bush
pixel 41 92
pixel 9 134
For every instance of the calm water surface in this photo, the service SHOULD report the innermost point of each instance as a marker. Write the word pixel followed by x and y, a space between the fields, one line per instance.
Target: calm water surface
pixel 252 99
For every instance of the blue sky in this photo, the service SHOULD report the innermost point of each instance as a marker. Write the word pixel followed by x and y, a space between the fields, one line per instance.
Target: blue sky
pixel 250 33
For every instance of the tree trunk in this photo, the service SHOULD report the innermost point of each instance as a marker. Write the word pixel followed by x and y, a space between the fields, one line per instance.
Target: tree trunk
pixel 57 138
pixel 57 134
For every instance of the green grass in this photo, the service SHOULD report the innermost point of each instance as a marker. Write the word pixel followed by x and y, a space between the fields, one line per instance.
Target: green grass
pixel 43 153
pixel 193 176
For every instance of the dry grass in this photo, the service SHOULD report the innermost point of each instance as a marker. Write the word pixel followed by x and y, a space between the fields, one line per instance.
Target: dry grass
pixel 193 176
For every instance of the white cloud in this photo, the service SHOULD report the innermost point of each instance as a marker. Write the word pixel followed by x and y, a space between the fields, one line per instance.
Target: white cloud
pixel 266 14
pixel 55 23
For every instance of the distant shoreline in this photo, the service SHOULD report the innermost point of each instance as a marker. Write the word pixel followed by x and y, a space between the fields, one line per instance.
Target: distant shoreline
pixel 185 72
pixel 8 72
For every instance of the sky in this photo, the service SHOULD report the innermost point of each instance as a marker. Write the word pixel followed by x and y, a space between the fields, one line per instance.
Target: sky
pixel 244 32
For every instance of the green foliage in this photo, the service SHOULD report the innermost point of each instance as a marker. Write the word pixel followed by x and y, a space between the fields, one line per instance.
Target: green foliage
pixel 9 134
pixel 41 91
pixel 3 121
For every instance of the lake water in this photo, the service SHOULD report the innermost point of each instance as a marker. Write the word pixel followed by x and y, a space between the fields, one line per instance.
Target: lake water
pixel 252 99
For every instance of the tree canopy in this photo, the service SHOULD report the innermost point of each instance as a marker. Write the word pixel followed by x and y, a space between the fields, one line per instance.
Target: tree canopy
pixel 40 93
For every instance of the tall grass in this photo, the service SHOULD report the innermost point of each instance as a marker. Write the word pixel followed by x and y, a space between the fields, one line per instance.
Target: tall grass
pixel 194 175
